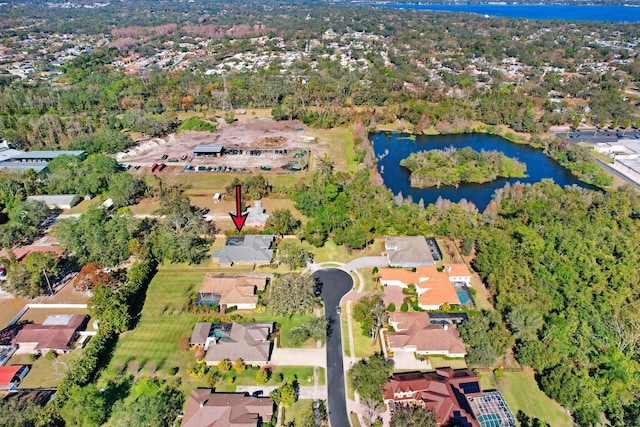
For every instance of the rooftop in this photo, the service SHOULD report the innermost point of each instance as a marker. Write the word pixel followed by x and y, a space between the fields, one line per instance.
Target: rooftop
pixel 405 251
pixel 205 408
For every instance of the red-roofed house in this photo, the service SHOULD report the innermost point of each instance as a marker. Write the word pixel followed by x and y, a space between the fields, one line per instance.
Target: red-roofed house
pixel 455 396
pixel 433 286
pixel 10 376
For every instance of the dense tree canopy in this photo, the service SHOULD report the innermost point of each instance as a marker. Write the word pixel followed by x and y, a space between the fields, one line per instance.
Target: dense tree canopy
pixel 561 265
pixel 292 294
pixel 369 376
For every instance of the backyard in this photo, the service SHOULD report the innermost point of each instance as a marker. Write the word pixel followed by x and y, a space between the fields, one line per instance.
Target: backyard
pixel 521 392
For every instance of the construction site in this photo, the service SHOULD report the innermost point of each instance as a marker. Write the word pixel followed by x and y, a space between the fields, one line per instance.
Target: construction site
pixel 260 144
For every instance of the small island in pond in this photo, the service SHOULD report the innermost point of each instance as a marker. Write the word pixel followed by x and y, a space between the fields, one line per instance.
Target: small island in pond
pixel 451 166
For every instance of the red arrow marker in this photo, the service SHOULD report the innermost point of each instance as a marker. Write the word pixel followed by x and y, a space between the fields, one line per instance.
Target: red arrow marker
pixel 238 218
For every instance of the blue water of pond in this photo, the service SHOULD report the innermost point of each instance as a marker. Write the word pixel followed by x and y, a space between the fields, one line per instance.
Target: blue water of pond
pixel 398 146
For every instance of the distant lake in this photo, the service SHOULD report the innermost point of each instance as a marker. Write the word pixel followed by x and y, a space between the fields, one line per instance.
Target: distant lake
pixel 399 146
pixel 534 11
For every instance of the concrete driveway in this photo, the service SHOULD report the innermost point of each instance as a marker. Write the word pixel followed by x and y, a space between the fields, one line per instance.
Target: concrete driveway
pixel 299 357
pixel 304 392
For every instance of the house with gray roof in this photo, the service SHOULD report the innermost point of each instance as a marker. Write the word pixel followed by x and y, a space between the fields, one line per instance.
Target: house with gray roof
pixel 408 251
pixel 246 341
pixel 250 249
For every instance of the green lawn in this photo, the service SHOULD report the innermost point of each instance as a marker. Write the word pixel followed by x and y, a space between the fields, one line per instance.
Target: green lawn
pixel 338 142
pixel 303 374
pixel 521 392
pixel 296 411
pixel 43 372
pixel 444 362
pixel 331 252
pixel 362 343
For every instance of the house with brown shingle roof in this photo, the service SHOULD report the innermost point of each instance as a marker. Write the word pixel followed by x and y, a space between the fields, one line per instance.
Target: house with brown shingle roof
pixel 208 409
pixel 227 291
pixel 415 333
pixel 56 333
pixel 433 286
pixel 246 341
pixel 455 396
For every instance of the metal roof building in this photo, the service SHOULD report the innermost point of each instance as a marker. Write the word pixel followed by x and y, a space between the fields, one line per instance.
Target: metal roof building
pixel 208 150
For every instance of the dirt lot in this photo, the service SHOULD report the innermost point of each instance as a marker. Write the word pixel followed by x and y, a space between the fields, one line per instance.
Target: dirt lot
pixel 243 136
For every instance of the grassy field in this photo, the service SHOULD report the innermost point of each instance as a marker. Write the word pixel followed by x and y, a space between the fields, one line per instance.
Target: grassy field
pixel 338 144
pixel 521 392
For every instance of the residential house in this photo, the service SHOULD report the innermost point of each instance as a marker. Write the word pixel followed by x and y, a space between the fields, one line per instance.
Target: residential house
pixel 10 376
pixel 250 249
pixel 414 333
pixel 228 291
pixel 455 396
pixel 256 215
pixel 57 332
pixel 458 273
pixel 246 341
pixel 406 251
pixel 433 287
pixel 205 408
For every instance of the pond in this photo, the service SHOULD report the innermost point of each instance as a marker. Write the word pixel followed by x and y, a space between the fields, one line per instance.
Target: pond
pixel 390 148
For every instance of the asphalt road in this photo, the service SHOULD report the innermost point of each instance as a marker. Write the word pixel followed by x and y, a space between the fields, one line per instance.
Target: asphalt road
pixel 333 285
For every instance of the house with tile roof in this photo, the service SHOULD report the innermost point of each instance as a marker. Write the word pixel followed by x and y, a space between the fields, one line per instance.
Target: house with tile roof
pixel 414 333
pixel 229 291
pixel 458 273
pixel 57 332
pixel 245 250
pixel 205 408
pixel 433 287
pixel 455 396
pixel 246 341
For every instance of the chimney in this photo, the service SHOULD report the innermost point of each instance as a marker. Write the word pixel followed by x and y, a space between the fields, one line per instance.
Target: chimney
pixel 449 269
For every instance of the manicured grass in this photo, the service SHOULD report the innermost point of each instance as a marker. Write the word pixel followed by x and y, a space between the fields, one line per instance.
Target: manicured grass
pixel 362 343
pixel 353 417
pixel 43 372
pixel 344 329
pixel 444 362
pixel 296 411
pixel 302 374
pixel 521 392
pixel 331 252
pixel 370 285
